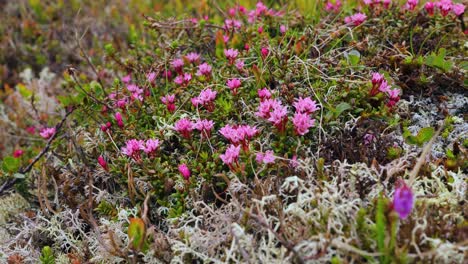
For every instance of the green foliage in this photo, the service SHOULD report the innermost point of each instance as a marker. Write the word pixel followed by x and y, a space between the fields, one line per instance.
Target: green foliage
pixel 438 60
pixel 11 164
pixel 47 256
pixel 423 136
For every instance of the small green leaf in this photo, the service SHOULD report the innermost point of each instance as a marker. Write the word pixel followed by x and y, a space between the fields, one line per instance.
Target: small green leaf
pixel 47 256
pixel 11 164
pixel 136 232
pixel 424 135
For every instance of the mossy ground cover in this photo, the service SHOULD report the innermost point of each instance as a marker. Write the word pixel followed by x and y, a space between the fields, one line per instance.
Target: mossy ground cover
pixel 295 132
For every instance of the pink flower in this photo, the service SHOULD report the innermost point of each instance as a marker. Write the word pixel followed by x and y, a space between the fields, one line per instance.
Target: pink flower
pixel 31 130
pixel 184 126
pixel 403 201
pixel 265 107
pixel 239 134
pixel 205 98
pixel 386 3
pixel 193 57
pixel 356 19
pixel 47 132
pixel 204 69
pixel 302 122
pixel 264 51
pixel 126 78
pixel 266 157
pixel 377 78
pixel 169 100
pixel 411 4
pixel 394 93
pixel 106 126
pixel 231 54
pixel 118 118
pixel 334 7
pixel 232 24
pixel 458 9
pixel 135 91
pixel 240 65
pixel 103 163
pixel 18 153
pixel 151 77
pixel 178 64
pixel 368 138
pixel 260 30
pixel 133 148
pixel 204 126
pixel 151 146
pixel 279 117
pixel 264 94
pixel 226 39
pixel 231 155
pixel 305 105
pixel 283 29
pixel 233 84
pixel 183 79
pixel 184 170
pixel 429 6
pixel 384 87
pixel 445 6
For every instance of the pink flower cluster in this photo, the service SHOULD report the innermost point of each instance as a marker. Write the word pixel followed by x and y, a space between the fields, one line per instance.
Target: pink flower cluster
pixel 264 94
pixel 239 135
pixel 184 126
pixel 302 120
pixel 445 7
pixel 204 69
pixel 274 111
pixel 183 79
pixel 204 126
pixel 232 24
pixel 234 85
pixel 333 6
pixel 136 92
pixel 356 19
pixel 193 57
pixel 374 3
pixel 266 157
pixel 206 99
pixel 169 101
pixel 411 4
pixel 231 55
pixel 379 84
pixel 47 132
pixel 231 156
pixel 133 148
pixel 403 200
pixel 184 171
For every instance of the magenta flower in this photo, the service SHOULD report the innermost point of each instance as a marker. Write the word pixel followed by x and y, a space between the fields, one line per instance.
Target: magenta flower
pixel 126 79
pixel 356 19
pixel 305 105
pixel 47 132
pixel 384 87
pixel 118 118
pixel 193 57
pixel 394 93
pixel 377 78
pixel 233 84
pixel 239 135
pixel 266 106
pixel 151 146
pixel 169 100
pixel 183 79
pixel 458 9
pixel 31 130
pixel 283 29
pixel 445 6
pixel 302 122
pixel 386 3
pixel 264 51
pixel 368 138
pixel 411 4
pixel 105 127
pixel 204 126
pixel 429 6
pixel 178 64
pixel 185 171
pixel 240 65
pixel 184 126
pixel 151 77
pixel 333 7
pixel 279 117
pixel 403 201
pixel 266 157
pixel 264 94
pixel 133 148
pixel 18 153
pixel 103 163
pixel 135 91
pixel 204 69
pixel 231 155
pixel 231 55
